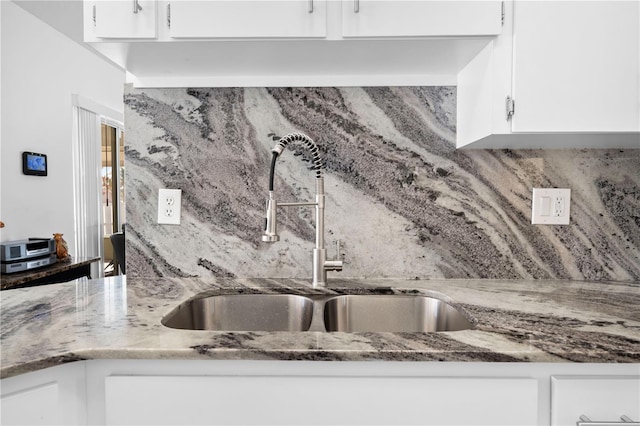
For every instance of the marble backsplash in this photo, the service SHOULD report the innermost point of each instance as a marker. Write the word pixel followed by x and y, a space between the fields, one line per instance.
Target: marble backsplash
pixel 402 200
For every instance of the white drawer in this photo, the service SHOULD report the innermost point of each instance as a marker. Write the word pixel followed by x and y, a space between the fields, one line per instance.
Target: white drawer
pixel 600 398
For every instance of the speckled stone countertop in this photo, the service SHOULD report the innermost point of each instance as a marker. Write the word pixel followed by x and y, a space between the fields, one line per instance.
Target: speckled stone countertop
pixel 516 321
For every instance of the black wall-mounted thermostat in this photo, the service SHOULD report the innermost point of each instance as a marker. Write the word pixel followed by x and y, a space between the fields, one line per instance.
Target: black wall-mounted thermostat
pixel 34 164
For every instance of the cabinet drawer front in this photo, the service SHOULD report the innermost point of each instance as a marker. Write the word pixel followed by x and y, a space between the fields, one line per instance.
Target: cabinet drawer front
pixel 600 398
pixel 320 400
pixel 402 18
pixel 248 18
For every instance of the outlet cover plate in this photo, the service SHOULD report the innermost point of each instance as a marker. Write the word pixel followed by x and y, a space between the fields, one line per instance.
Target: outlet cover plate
pixel 551 206
pixel 169 206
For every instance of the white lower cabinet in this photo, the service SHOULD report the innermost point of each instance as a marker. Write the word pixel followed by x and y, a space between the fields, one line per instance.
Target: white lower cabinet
pixel 44 402
pixel 144 392
pixel 598 398
pixel 54 396
pixel 296 400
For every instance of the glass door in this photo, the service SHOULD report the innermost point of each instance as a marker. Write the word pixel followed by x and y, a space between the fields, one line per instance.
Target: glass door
pixel 113 199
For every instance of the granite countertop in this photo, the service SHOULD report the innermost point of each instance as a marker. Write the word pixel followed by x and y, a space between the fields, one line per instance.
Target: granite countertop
pixel 516 321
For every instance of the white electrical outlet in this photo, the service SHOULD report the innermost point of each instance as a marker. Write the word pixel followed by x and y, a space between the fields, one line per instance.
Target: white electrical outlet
pixel 169 206
pixel 551 206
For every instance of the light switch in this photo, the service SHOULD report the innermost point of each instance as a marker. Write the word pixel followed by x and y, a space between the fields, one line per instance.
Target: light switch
pixel 550 206
pixel 545 206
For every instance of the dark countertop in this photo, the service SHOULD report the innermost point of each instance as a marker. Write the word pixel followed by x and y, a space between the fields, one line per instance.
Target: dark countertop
pixel 516 321
pixel 8 281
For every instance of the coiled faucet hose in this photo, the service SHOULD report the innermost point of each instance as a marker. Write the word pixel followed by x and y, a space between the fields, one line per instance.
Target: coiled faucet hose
pixel 307 143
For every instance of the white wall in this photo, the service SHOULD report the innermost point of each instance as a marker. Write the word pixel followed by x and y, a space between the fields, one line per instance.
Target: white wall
pixel 41 69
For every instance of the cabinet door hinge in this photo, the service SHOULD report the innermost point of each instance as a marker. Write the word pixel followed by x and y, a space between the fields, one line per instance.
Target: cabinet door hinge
pixel 94 15
pixel 169 15
pixel 510 107
pixel 502 14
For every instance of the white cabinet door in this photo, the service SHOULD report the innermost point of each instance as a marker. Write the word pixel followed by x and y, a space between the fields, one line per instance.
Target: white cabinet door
pixel 114 19
pixel 414 18
pixel 247 18
pixel 573 70
pixel 34 406
pixel 137 400
pixel 576 66
pixel 54 396
pixel 600 398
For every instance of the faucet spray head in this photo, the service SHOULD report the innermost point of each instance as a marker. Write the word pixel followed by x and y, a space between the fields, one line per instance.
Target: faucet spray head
pixel 270 234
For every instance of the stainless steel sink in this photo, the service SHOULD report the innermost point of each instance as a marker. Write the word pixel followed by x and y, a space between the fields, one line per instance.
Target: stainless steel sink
pixel 243 312
pixel 395 313
pixel 288 312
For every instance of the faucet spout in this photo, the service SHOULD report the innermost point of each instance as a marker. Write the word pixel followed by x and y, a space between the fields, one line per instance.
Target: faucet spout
pixel 320 262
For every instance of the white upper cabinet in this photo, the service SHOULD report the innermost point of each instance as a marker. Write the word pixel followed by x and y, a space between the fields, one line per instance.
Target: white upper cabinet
pixel 416 18
pixel 118 19
pixel 259 19
pixel 563 74
pixel 576 66
pixel 239 43
pixel 247 18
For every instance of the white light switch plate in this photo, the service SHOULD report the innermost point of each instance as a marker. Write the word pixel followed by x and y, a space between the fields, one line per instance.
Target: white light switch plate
pixel 169 206
pixel 551 206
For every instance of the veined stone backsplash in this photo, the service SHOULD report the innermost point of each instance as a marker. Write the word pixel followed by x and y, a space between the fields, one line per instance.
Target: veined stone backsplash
pixel 400 197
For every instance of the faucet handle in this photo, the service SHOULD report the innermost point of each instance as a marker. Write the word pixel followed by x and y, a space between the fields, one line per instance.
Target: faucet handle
pixel 335 264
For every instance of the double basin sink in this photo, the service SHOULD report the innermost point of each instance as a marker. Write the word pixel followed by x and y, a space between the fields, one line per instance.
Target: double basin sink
pixel 334 313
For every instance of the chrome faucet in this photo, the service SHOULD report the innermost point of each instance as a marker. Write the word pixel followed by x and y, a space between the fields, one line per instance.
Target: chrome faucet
pixel 320 262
